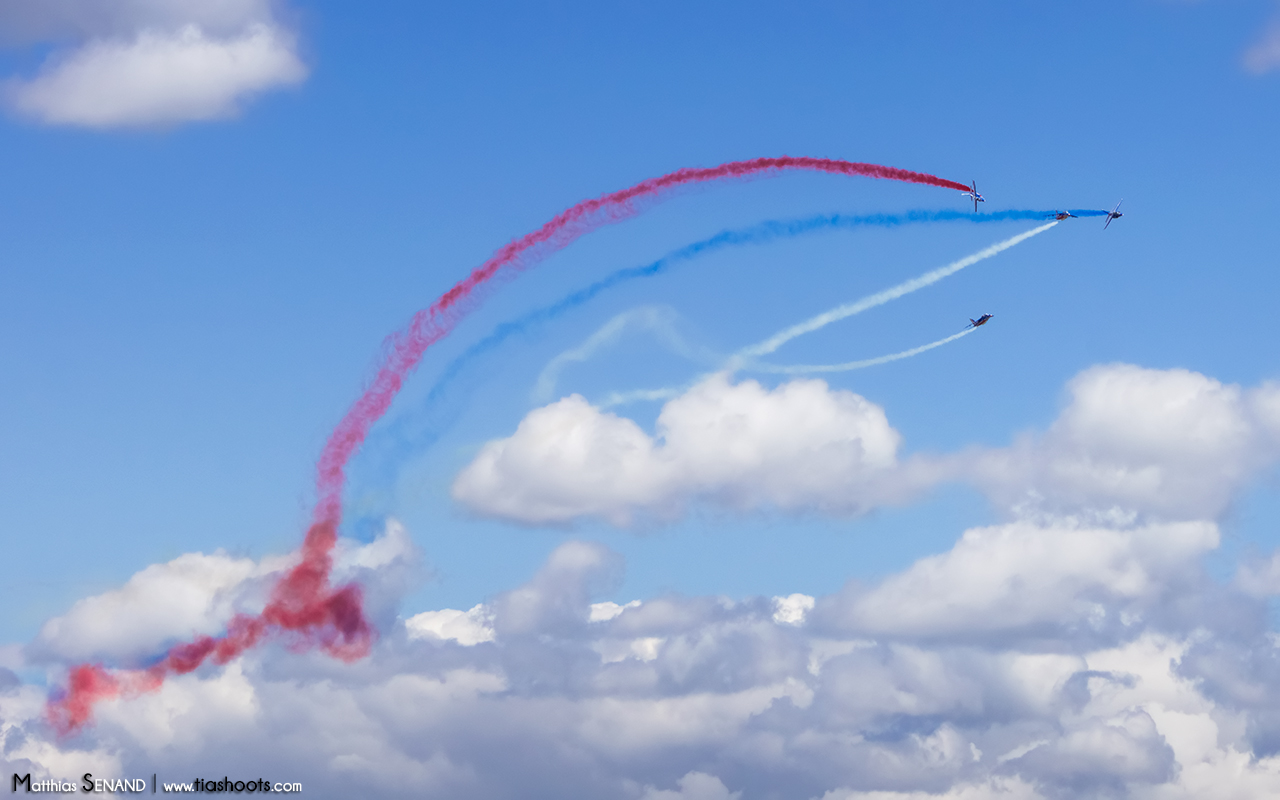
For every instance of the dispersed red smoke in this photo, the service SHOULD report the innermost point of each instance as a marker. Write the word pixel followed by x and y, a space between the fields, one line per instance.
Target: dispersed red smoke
pixel 303 607
pixel 86 685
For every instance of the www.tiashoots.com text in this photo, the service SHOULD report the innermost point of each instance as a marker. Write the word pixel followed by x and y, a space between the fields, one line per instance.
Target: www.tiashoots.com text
pixel 88 784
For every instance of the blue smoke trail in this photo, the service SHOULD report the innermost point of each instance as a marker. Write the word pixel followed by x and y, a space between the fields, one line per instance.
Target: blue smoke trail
pixel 760 233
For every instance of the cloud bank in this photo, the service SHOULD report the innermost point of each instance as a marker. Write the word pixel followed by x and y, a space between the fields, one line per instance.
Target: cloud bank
pixel 149 62
pixel 1029 661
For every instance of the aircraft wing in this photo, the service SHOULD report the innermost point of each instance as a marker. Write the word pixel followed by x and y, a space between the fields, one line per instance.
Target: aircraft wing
pixel 1112 215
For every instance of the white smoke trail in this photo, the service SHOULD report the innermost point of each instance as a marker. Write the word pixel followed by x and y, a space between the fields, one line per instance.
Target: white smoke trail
pixel 880 298
pixel 744 358
pixel 658 320
pixel 644 395
pixel 808 369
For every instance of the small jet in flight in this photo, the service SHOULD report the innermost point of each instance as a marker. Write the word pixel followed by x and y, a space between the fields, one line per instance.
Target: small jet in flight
pixel 1113 214
pixel 982 320
pixel 973 195
pixel 1064 215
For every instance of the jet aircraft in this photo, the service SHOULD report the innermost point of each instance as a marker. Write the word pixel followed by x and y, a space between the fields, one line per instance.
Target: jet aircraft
pixel 1113 214
pixel 977 198
pixel 1064 215
pixel 982 320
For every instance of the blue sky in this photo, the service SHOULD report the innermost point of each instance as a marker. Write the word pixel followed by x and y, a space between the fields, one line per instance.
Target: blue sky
pixel 189 308
pixel 189 304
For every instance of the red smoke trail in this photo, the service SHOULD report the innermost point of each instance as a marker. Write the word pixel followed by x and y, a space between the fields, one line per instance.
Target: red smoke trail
pixel 302 604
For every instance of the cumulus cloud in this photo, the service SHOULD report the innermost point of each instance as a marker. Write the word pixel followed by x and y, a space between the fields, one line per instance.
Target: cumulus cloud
pixel 194 594
pixel 734 700
pixel 1171 444
pixel 998 788
pixel 799 446
pixel 150 62
pixel 694 786
pixel 467 628
pixel 1087 580
pixel 1132 444
pixel 1053 655
pixel 191 595
pixel 1260 577
pixel 793 608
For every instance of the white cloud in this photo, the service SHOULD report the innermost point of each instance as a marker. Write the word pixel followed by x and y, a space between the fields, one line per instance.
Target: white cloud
pixel 645 648
pixel 467 628
pixel 730 706
pixel 602 612
pixel 558 597
pixel 1132 444
pixel 187 713
pixel 1172 444
pixel 1264 55
pixel 799 446
pixel 1260 577
pixel 194 594
pixel 693 786
pixel 792 609
pixel 566 460
pixel 996 788
pixel 1048 657
pixel 1088 579
pixel 158 62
